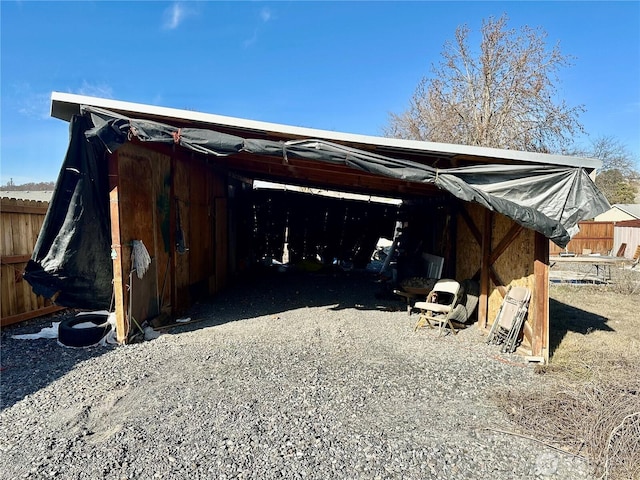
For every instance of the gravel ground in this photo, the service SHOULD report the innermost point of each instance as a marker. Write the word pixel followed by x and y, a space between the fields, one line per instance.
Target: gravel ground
pixel 289 377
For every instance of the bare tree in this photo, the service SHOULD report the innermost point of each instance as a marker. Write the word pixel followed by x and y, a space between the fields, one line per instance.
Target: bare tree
pixel 615 156
pixel 618 176
pixel 504 96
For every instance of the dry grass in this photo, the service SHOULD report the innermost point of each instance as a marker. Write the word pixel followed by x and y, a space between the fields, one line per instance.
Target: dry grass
pixel 589 399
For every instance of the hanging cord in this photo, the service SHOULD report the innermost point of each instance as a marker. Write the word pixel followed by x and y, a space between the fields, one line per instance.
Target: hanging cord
pixel 113 297
pixel 140 259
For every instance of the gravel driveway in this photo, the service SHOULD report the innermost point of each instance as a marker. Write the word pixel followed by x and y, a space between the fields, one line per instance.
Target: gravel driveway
pixel 289 377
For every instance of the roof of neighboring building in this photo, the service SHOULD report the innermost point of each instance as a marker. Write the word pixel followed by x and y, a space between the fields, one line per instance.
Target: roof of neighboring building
pixel 65 105
pixel 629 223
pixel 39 196
pixel 632 209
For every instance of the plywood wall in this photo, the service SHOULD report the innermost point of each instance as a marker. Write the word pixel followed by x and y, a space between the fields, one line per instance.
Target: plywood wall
pixel 512 254
pixel 514 267
pixel 468 249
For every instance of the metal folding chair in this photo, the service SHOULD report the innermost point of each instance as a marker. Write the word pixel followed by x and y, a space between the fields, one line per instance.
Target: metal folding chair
pixel 508 324
pixel 439 305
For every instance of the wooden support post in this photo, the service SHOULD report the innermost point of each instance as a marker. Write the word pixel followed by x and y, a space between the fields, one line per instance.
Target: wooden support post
pixel 483 305
pixel 122 327
pixel 540 340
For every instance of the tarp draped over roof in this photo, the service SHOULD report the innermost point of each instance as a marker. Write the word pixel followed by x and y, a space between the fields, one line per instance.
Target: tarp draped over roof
pixel 547 198
pixel 72 255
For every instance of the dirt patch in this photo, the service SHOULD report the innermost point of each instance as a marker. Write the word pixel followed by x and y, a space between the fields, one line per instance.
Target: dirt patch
pixel 589 400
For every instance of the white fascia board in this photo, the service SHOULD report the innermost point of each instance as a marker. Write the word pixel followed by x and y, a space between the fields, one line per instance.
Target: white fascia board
pixel 64 105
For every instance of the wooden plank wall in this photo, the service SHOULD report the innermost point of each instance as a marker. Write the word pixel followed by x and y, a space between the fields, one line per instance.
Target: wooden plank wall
pixel 201 195
pixel 20 222
pixel 159 194
pixel 180 204
pixel 143 180
pixel 594 236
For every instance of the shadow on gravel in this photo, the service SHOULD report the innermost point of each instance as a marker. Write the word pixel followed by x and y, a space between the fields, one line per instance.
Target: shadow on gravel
pixel 270 294
pixel 566 318
pixel 26 366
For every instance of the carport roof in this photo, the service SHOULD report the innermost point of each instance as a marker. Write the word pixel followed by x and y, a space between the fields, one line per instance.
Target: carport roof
pixel 65 105
pixel 547 193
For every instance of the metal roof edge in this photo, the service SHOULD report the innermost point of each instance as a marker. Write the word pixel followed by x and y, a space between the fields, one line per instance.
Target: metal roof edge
pixel 65 105
pixel 632 209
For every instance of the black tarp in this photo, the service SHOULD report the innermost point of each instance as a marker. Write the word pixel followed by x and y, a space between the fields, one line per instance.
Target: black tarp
pixel 550 199
pixel 72 260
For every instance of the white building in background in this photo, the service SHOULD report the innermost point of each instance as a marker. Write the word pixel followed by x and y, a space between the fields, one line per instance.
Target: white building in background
pixel 37 195
pixel 620 212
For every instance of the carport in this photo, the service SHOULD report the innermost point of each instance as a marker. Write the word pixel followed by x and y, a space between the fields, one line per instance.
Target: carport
pixel 181 183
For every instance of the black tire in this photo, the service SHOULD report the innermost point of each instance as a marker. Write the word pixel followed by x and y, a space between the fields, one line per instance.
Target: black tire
pixel 83 337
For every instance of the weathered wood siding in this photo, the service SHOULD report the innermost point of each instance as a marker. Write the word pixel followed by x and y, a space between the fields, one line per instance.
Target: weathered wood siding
pixel 20 222
pixel 157 195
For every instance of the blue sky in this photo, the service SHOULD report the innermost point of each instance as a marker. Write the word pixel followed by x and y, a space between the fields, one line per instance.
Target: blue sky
pixel 327 65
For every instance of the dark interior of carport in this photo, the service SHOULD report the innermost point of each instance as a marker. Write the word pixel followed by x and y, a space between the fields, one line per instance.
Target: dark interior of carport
pixel 205 226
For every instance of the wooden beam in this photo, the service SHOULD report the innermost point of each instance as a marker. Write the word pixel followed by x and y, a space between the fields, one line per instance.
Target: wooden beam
pixel 507 240
pixel 323 175
pixel 540 327
pixel 497 281
pixel 511 235
pixel 472 226
pixel 20 317
pixel 483 305
pixel 122 327
pixel 13 259
pixel 9 208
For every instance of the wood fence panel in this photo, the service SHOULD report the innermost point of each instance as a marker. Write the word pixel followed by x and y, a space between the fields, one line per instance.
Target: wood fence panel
pixel 20 221
pixel 594 236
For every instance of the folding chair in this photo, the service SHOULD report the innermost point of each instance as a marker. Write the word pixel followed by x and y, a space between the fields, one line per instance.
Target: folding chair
pixel 439 305
pixel 506 327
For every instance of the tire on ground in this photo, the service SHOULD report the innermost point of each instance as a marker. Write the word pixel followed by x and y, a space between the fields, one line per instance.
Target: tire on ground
pixel 71 335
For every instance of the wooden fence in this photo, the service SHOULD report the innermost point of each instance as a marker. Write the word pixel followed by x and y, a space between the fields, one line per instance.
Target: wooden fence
pixel 594 237
pixel 20 223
